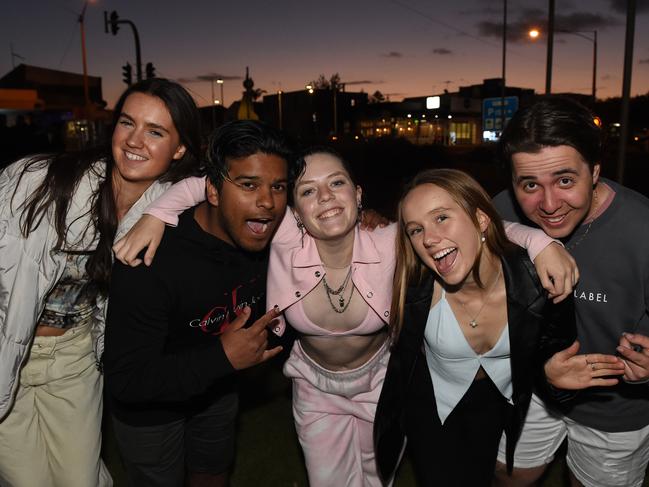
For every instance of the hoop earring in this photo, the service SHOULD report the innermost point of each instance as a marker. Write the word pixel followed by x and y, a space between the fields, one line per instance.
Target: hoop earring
pixel 359 214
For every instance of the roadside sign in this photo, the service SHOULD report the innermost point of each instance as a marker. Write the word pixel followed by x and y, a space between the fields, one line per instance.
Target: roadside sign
pixel 492 112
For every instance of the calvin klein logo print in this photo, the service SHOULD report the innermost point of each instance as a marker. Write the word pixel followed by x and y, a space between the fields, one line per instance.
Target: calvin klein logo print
pixel 219 317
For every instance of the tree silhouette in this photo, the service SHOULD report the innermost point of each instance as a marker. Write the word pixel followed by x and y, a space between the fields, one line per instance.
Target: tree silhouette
pixel 377 97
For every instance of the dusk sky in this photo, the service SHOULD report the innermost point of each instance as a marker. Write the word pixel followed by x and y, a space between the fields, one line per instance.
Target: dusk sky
pixel 400 47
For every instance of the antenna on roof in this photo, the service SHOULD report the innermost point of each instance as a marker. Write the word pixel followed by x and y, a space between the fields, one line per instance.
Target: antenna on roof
pixel 14 55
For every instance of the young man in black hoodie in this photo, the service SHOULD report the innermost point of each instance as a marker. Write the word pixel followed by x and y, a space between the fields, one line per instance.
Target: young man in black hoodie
pixel 175 331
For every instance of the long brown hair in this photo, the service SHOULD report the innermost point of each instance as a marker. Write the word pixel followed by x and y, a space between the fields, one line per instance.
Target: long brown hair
pixel 64 171
pixel 470 196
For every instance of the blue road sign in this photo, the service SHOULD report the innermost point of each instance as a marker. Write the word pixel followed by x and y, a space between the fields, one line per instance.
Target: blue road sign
pixel 492 112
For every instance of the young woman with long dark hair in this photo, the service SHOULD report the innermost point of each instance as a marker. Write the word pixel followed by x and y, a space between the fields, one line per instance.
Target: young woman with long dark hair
pixel 59 215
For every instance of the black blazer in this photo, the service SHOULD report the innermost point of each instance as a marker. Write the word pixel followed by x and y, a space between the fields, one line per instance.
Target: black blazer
pixel 537 330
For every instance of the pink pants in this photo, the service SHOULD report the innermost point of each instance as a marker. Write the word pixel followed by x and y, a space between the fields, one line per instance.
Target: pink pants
pixel 334 416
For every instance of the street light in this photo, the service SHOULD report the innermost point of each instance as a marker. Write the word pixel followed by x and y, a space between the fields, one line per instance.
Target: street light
pixel 588 35
pixel 279 101
pixel 309 88
pixel 220 83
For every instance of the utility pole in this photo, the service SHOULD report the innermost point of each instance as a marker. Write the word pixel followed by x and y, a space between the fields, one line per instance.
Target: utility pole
pixel 594 67
pixel 503 115
pixel 626 89
pixel 279 101
pixel 86 89
pixel 113 22
pixel 550 47
pixel 213 106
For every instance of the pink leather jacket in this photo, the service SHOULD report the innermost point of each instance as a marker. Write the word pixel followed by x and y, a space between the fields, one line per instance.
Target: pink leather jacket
pixel 295 268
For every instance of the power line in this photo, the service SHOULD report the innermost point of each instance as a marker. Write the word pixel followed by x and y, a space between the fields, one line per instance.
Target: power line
pixel 482 39
pixel 67 48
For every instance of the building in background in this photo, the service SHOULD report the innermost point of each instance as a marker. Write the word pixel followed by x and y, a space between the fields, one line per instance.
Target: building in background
pixel 448 118
pixel 44 110
pixel 316 114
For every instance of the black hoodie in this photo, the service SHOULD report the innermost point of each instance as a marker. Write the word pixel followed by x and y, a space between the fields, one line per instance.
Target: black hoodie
pixel 163 357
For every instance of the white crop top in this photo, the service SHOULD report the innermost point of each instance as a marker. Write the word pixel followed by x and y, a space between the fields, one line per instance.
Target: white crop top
pixel 453 364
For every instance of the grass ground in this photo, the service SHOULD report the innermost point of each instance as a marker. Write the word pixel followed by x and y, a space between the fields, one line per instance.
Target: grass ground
pixel 268 452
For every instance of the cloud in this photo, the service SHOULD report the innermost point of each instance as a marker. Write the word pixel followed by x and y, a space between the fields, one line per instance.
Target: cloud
pixel 442 51
pixel 209 77
pixel 608 77
pixel 644 61
pixel 363 82
pixel 517 30
pixel 393 54
pixel 579 21
pixel 620 6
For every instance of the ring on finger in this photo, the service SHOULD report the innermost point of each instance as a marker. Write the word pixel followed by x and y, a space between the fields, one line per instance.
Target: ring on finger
pixel 592 366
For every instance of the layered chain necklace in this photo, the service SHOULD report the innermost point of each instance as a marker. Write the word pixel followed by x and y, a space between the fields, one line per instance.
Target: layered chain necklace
pixel 339 293
pixel 473 323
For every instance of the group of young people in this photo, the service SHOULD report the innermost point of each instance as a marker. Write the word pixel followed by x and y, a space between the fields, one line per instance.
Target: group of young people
pixel 434 334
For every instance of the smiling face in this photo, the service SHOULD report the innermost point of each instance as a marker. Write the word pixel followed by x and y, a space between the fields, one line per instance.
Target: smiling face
pixel 326 199
pixel 441 233
pixel 554 188
pixel 251 201
pixel 145 140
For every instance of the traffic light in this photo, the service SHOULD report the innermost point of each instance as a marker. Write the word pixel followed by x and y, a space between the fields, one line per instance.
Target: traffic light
pixel 113 22
pixel 127 73
pixel 150 70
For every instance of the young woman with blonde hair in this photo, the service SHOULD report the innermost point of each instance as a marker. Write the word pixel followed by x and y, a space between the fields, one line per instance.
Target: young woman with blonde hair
pixel 473 333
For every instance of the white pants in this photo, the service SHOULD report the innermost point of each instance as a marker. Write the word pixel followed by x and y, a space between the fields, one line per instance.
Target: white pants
pixel 596 458
pixel 52 435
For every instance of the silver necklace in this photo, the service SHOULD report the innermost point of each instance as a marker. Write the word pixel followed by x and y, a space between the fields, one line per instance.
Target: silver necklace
pixel 474 323
pixel 583 236
pixel 340 293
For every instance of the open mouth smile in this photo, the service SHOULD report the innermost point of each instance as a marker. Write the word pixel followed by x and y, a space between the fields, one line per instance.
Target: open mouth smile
pixel 259 226
pixel 444 259
pixel 554 220
pixel 330 213
pixel 134 157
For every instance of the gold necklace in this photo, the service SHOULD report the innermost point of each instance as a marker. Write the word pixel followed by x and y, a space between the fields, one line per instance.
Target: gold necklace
pixel 474 323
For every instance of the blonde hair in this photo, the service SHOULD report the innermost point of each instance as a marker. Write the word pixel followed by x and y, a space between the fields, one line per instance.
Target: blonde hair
pixel 470 196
